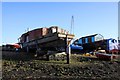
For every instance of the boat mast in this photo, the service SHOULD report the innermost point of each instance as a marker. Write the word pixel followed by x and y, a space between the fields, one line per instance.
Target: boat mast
pixel 72 25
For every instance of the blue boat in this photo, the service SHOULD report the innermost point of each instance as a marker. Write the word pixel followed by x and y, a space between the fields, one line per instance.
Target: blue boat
pixel 76 48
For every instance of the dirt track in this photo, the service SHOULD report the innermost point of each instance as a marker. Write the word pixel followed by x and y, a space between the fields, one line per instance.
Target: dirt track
pixel 20 66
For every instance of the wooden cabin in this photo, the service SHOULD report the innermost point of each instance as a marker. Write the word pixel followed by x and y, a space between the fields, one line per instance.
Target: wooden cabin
pixel 89 43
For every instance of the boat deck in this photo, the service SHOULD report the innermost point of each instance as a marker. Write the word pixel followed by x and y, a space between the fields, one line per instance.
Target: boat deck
pixel 52 40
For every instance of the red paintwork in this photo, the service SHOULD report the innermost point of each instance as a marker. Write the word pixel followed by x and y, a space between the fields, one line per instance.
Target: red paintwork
pixel 106 56
pixel 34 34
pixel 16 45
pixel 114 51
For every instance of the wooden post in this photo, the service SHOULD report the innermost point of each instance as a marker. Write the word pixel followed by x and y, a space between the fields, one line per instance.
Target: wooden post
pixel 67 49
pixel 47 57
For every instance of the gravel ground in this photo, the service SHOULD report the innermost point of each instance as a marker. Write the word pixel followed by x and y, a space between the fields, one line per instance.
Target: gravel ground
pixel 19 66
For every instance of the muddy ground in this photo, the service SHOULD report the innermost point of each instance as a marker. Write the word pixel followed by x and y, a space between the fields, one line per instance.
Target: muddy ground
pixel 19 66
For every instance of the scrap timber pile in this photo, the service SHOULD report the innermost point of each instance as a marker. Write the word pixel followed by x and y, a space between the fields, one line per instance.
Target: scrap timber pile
pixel 21 66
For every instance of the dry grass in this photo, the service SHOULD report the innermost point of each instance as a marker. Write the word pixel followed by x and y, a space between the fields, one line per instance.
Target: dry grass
pixel 22 66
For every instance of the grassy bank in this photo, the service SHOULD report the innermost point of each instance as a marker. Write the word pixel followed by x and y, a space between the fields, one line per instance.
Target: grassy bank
pixel 26 67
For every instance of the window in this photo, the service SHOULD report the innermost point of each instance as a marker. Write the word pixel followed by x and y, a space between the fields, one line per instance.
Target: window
pixel 93 39
pixel 80 41
pixel 86 40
